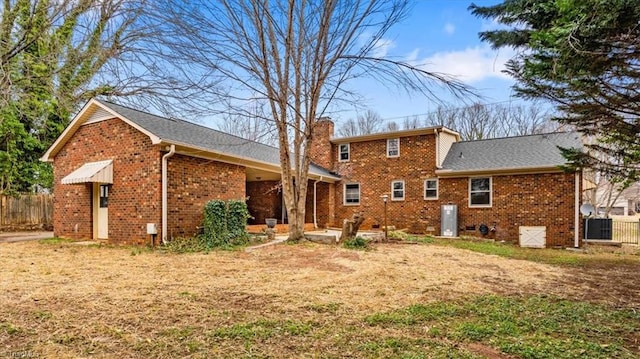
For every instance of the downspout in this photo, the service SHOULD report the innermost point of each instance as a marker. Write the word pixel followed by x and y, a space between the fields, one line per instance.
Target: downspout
pixel 576 223
pixel 165 165
pixel 435 131
pixel 315 194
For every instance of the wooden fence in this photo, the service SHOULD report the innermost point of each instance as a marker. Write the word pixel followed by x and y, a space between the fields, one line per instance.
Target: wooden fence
pixel 27 211
pixel 626 231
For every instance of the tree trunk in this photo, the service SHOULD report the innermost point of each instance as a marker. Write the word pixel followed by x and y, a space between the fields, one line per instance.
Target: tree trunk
pixel 296 225
pixel 350 227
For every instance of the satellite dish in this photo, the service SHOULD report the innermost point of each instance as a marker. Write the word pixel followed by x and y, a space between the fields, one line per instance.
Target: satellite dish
pixel 587 209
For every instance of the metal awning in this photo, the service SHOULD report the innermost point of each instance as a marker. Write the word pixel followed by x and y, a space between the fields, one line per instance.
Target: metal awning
pixel 101 172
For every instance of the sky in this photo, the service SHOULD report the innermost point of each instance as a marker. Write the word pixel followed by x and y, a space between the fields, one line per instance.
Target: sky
pixel 444 36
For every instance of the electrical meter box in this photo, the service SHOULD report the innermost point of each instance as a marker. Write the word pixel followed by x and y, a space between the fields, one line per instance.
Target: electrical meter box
pixel 152 228
pixel 449 221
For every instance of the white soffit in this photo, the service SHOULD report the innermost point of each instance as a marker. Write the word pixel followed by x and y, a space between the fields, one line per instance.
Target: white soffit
pixel 100 172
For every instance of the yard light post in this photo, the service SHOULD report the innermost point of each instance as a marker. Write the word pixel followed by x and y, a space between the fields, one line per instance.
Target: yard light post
pixel 384 200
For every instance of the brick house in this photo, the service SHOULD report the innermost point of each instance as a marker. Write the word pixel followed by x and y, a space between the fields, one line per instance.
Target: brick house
pixel 503 187
pixel 117 169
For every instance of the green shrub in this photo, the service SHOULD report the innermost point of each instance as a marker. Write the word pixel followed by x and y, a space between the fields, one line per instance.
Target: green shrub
pixel 356 243
pixel 225 223
pixel 216 233
pixel 237 215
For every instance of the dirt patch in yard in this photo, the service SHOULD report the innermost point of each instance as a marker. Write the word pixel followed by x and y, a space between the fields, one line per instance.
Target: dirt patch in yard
pixel 63 300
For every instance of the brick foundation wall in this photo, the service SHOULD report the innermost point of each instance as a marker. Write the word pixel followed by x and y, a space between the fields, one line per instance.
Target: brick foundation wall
pixel 192 182
pixel 265 201
pixel 134 197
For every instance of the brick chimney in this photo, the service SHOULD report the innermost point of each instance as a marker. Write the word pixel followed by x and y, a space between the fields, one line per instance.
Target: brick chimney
pixel 320 150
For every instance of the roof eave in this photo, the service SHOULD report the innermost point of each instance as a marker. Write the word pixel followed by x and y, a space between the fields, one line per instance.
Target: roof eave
pixel 394 134
pixel 499 171
pixel 208 153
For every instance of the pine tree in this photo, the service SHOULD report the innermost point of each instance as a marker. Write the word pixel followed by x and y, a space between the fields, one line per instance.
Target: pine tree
pixel 583 56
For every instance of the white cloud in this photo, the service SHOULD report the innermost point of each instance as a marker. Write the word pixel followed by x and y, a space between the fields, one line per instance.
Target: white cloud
pixel 489 25
pixel 412 57
pixel 382 47
pixel 472 64
pixel 449 28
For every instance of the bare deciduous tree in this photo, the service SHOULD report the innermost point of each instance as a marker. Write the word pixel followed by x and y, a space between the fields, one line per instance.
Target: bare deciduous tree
pixel 368 122
pixel 251 128
pixel 481 121
pixel 294 55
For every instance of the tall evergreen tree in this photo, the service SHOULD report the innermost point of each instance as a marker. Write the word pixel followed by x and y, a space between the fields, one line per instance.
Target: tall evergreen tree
pixel 584 56
pixel 50 54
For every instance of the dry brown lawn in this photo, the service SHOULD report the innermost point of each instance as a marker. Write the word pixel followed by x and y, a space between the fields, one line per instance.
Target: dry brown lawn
pixel 66 300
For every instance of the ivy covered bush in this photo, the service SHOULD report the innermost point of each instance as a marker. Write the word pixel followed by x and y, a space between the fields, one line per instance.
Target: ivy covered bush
pixel 225 223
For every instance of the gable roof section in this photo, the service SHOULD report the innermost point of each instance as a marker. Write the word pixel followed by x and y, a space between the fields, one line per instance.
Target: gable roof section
pixel 163 130
pixel 533 153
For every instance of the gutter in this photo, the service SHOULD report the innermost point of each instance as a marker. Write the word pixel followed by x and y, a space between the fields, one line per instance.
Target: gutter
pixel 165 165
pixel 497 171
pixel 207 153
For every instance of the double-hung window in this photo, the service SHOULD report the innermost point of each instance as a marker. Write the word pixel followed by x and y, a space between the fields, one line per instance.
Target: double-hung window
pixel 352 194
pixel 344 152
pixel 393 147
pixel 480 192
pixel 397 191
pixel 431 188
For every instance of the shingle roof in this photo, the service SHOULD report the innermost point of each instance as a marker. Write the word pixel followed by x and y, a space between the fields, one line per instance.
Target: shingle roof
pixel 533 151
pixel 187 133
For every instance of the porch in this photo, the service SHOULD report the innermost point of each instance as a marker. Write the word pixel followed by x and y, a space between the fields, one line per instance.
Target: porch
pixel 265 200
pixel 281 228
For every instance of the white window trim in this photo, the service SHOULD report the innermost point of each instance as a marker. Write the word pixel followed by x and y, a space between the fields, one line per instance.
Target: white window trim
pixel 424 189
pixel 490 193
pixel 348 152
pixel 404 190
pixel 344 194
pixel 391 139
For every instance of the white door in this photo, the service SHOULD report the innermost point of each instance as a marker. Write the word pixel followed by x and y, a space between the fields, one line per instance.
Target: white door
pixel 103 212
pixel 533 236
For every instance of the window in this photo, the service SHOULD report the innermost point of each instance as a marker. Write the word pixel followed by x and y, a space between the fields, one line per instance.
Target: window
pixel 352 193
pixel 104 196
pixel 480 192
pixel 343 150
pixel 393 147
pixel 431 188
pixel 397 191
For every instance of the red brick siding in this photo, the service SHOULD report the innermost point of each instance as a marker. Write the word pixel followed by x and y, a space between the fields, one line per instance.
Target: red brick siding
pixel 369 166
pixel 265 201
pixel 192 182
pixel 320 144
pixel 518 200
pixel 323 203
pixel 134 198
pixel 72 209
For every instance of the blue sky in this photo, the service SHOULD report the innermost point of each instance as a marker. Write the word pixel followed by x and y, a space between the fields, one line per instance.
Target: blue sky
pixel 442 35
